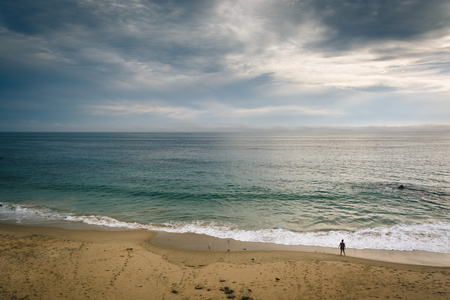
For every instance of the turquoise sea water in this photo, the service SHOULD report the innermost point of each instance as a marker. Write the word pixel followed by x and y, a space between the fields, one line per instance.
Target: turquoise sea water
pixel 302 188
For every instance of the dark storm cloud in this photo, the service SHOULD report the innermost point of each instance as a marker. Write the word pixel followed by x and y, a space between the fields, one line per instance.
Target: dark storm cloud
pixel 34 17
pixel 88 44
pixel 178 32
pixel 165 31
pixel 37 17
pixel 354 22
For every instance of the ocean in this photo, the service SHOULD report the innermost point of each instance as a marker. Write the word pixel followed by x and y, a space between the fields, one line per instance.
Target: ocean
pixel 304 188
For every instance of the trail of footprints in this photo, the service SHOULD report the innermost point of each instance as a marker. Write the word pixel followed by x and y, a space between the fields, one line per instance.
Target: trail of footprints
pixel 119 270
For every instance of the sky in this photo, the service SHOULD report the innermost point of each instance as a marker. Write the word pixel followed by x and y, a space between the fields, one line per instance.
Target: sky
pixel 220 65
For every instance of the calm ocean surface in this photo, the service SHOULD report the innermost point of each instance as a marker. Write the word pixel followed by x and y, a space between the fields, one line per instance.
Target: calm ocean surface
pixel 304 188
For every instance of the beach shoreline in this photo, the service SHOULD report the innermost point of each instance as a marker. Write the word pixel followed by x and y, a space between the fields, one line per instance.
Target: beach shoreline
pixel 199 242
pixel 48 262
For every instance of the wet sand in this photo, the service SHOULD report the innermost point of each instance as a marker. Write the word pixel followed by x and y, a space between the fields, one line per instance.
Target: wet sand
pixel 197 242
pixel 52 263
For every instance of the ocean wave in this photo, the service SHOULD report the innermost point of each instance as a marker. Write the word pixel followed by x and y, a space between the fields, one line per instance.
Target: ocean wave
pixel 432 237
pixel 26 213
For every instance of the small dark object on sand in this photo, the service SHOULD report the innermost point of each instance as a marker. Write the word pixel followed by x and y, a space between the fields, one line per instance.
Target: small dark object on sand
pixel 227 290
pixel 174 292
pixel 277 279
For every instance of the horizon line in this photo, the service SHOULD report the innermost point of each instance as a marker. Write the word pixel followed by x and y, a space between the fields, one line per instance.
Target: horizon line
pixel 250 129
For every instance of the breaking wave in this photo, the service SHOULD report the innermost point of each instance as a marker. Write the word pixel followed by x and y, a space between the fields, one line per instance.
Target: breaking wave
pixel 432 237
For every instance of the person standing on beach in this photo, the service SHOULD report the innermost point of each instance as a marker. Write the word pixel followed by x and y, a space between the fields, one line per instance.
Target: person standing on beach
pixel 342 247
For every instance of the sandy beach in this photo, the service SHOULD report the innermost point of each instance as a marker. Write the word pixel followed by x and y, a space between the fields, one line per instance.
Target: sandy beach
pixel 53 263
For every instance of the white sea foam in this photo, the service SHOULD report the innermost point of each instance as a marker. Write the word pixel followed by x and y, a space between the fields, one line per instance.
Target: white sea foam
pixel 433 237
pixel 26 214
pixel 104 221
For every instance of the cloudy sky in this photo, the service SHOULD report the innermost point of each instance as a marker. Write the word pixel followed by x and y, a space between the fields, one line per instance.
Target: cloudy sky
pixel 205 65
